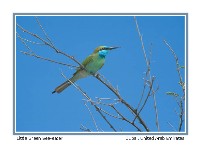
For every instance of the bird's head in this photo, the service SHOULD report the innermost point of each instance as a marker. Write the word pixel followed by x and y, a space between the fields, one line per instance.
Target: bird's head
pixel 103 50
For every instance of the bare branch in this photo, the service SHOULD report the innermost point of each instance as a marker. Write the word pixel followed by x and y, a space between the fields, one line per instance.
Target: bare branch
pixel 34 35
pixel 85 128
pixel 99 101
pixel 110 114
pixel 44 31
pixel 97 108
pixel 156 111
pixel 177 68
pixel 92 116
pixel 22 40
pixel 143 90
pixel 172 126
pixel 181 120
pixel 141 40
pixel 182 84
pixel 123 102
pixel 47 59
pixel 148 73
pixel 147 97
pixel 125 119
pixel 33 42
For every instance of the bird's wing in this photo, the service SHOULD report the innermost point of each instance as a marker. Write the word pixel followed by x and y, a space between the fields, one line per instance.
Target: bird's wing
pixel 85 62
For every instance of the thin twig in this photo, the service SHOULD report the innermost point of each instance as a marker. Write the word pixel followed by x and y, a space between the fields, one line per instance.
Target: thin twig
pixel 92 116
pixel 43 31
pixel 125 119
pixel 30 41
pixel 51 46
pixel 176 59
pixel 133 111
pixel 181 116
pixel 107 104
pixel 110 114
pixel 182 84
pixel 85 128
pixel 22 40
pixel 147 73
pixel 141 40
pixel 172 126
pixel 155 108
pixel 47 59
pixel 31 53
pixel 85 95
pixel 143 90
pixel 147 97
pixel 177 68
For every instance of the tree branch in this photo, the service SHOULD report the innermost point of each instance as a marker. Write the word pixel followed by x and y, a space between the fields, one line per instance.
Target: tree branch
pixel 182 84
pixel 148 73
pixel 93 104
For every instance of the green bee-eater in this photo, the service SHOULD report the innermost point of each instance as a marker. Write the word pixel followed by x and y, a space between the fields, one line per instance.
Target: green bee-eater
pixel 92 64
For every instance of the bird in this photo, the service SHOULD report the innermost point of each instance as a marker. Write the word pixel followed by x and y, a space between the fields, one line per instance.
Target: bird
pixel 92 64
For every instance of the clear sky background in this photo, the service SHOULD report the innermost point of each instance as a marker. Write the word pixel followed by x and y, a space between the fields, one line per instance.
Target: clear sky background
pixel 38 110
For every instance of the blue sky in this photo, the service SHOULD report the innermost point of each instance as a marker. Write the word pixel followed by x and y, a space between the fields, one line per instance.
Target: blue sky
pixel 37 110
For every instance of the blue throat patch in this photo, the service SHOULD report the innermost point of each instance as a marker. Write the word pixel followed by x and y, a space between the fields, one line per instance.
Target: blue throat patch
pixel 103 53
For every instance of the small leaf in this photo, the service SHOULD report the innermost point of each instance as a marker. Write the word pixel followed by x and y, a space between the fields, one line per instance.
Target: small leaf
pixel 181 66
pixel 172 94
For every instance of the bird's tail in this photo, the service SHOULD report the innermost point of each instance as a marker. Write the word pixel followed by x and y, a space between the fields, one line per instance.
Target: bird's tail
pixel 63 86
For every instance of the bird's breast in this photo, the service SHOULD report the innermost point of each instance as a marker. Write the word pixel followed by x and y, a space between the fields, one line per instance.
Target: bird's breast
pixel 95 64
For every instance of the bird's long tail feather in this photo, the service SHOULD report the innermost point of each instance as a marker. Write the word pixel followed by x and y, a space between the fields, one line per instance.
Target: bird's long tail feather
pixel 63 86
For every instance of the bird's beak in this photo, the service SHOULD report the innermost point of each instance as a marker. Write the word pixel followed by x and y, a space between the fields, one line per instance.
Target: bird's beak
pixel 111 48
